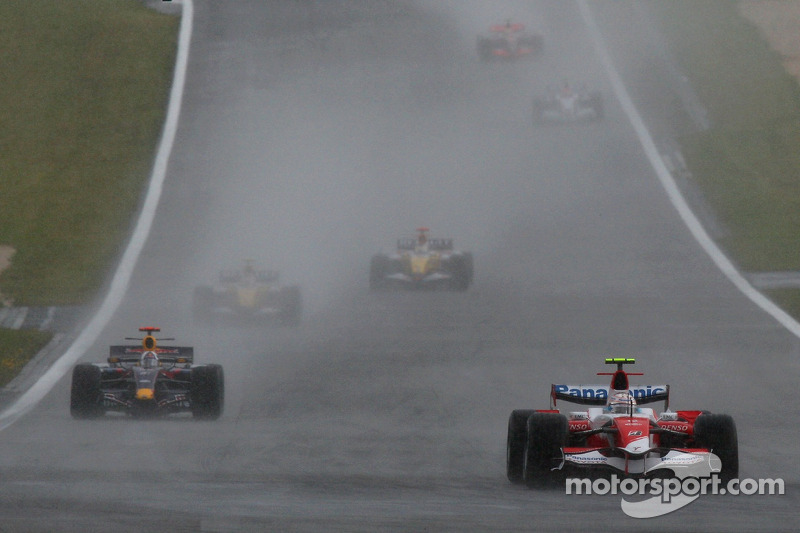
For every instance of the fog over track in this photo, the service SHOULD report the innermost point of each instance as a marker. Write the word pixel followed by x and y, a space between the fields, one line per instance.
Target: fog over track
pixel 313 135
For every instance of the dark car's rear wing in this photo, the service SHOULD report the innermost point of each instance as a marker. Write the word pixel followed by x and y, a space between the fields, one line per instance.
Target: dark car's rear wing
pixel 598 394
pixel 166 354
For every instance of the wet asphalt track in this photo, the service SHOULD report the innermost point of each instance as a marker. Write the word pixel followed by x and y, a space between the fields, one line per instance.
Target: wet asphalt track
pixel 310 140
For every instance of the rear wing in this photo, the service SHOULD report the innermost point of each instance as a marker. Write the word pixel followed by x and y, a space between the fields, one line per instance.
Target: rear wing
pixel 410 243
pixel 515 27
pixel 598 394
pixel 262 276
pixel 167 354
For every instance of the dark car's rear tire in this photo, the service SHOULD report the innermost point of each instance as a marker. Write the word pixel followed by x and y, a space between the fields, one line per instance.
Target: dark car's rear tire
pixel 207 392
pixel 718 434
pixel 515 444
pixel 469 265
pixel 547 435
pixel 84 401
pixel 484 49
pixel 378 268
pixel 291 312
pixel 596 103
pixel 461 271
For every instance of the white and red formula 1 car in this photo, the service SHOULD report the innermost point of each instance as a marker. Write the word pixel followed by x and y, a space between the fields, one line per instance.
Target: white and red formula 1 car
pixel 615 434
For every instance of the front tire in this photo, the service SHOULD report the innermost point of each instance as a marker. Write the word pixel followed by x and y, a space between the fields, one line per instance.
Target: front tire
pixel 484 49
pixel 378 268
pixel 291 307
pixel 207 392
pixel 718 434
pixel 547 435
pixel 515 444
pixel 596 103
pixel 461 272
pixel 84 402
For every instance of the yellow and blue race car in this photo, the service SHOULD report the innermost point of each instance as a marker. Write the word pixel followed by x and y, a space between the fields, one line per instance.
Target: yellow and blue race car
pixel 422 263
pixel 248 294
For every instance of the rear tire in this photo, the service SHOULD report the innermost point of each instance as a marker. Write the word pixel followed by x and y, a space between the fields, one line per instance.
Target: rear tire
pixel 470 267
pixel 84 402
pixel 547 435
pixel 461 272
pixel 718 434
pixel 596 102
pixel 207 392
pixel 515 444
pixel 484 49
pixel 378 267
pixel 291 306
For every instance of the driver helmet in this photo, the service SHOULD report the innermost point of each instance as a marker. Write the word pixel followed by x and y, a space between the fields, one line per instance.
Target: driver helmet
pixel 249 275
pixel 621 402
pixel 149 360
pixel 422 241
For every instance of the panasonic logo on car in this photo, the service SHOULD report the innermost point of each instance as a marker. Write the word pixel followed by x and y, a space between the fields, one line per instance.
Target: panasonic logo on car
pixel 683 459
pixel 580 391
pixel 585 459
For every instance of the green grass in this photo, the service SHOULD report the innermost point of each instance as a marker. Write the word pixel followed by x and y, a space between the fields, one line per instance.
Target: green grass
pixel 17 347
pixel 83 91
pixel 748 163
pixel 84 95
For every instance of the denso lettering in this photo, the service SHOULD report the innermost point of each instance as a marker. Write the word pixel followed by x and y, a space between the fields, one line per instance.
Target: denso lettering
pixel 676 427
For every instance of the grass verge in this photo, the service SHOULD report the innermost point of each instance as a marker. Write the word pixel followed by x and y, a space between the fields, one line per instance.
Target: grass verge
pixel 83 94
pixel 17 347
pixel 83 102
pixel 748 163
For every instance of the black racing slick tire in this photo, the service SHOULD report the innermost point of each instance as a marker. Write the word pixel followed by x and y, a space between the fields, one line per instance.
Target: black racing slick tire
pixel 207 392
pixel 469 266
pixel 718 434
pixel 515 444
pixel 461 271
pixel 291 312
pixel 484 49
pixel 378 268
pixel 596 103
pixel 84 401
pixel 547 435
pixel 534 42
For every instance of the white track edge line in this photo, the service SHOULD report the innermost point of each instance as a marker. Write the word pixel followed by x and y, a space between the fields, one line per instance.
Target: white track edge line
pixel 668 182
pixel 122 276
